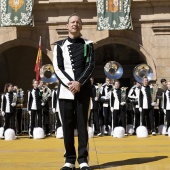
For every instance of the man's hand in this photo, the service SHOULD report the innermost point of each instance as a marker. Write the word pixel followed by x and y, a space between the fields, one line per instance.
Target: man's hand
pixel 74 86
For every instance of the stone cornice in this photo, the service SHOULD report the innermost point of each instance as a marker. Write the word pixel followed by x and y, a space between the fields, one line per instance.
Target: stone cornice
pixel 88 1
pixel 161 30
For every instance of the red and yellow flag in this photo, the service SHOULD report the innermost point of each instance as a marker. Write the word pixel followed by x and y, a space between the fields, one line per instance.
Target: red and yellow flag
pixel 38 61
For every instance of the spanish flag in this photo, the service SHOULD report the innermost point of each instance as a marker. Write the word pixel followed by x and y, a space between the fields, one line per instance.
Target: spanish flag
pixel 38 63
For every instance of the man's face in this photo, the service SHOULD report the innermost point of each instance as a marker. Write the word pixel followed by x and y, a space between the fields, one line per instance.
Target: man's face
pixel 168 85
pixel 35 84
pixel 92 81
pixel 164 83
pixel 145 81
pixel 41 83
pixel 74 25
pixel 10 88
pixel 107 81
pixel 117 85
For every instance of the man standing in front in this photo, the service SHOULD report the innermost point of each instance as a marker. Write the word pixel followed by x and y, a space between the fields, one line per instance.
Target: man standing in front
pixel 74 63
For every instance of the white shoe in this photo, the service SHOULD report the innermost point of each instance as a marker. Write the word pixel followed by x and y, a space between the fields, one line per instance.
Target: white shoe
pixel 99 134
pixel 153 134
pixel 106 132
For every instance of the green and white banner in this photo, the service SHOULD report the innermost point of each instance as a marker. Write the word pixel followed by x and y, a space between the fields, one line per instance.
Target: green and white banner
pixel 114 15
pixel 16 12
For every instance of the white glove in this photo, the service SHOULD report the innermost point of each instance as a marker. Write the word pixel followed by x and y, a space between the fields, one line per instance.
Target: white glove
pixel 29 112
pixel 122 103
pixel 13 104
pixel 165 111
pixel 153 103
pixel 104 97
pixel 140 109
pixel 3 113
pixel 42 104
pixel 53 110
pixel 111 109
pixel 96 98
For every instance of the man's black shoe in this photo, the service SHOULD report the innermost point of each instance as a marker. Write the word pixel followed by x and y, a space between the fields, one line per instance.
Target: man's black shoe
pixel 85 168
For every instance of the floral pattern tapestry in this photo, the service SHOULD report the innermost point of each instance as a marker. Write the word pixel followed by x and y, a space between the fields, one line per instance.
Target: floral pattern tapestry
pixel 114 15
pixel 16 12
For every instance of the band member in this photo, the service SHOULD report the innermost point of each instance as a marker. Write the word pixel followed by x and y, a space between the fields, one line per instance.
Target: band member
pixel 34 106
pixel 19 106
pixel 8 106
pixel 104 98
pixel 146 105
pixel 117 107
pixel 73 64
pixel 55 107
pixel 134 98
pixel 94 114
pixel 160 91
pixel 46 97
pixel 166 105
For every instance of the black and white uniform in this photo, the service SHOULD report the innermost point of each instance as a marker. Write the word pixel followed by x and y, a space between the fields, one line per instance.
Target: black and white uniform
pixel 159 95
pixel 104 98
pixel 133 95
pixel 46 97
pixel 8 105
pixel 94 113
pixel 145 101
pixel 166 106
pixel 55 107
pixel 74 61
pixel 19 106
pixel 119 112
pixel 35 106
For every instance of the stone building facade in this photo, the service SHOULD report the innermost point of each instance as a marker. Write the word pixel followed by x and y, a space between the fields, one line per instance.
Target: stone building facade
pixel 148 42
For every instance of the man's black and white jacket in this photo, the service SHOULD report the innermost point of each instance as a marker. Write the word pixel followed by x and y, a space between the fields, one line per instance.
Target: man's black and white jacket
pixel 8 102
pixel 73 61
pixel 145 99
pixel 133 95
pixel 166 100
pixel 115 99
pixel 105 94
pixel 34 99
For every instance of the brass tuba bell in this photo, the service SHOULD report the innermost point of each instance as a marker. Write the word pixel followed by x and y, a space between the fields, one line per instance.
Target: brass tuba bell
pixel 142 70
pixel 113 70
pixel 47 74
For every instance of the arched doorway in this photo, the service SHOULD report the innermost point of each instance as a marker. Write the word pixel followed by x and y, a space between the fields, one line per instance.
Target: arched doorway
pixel 125 55
pixel 17 66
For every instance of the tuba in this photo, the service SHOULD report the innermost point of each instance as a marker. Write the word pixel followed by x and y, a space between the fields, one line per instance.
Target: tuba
pixel 113 70
pixel 47 74
pixel 142 70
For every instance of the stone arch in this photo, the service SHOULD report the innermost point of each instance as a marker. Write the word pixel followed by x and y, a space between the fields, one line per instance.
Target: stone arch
pixel 25 42
pixel 132 44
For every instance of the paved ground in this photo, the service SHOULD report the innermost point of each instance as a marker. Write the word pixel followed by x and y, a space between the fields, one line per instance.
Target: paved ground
pixel 130 153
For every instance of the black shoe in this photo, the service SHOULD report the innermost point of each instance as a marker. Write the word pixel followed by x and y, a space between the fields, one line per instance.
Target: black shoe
pixel 67 168
pixel 85 168
pixel 19 133
pixel 48 134
pixel 30 136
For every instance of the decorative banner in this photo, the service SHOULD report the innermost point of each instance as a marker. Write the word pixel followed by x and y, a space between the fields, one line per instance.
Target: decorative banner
pixel 114 15
pixel 16 12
